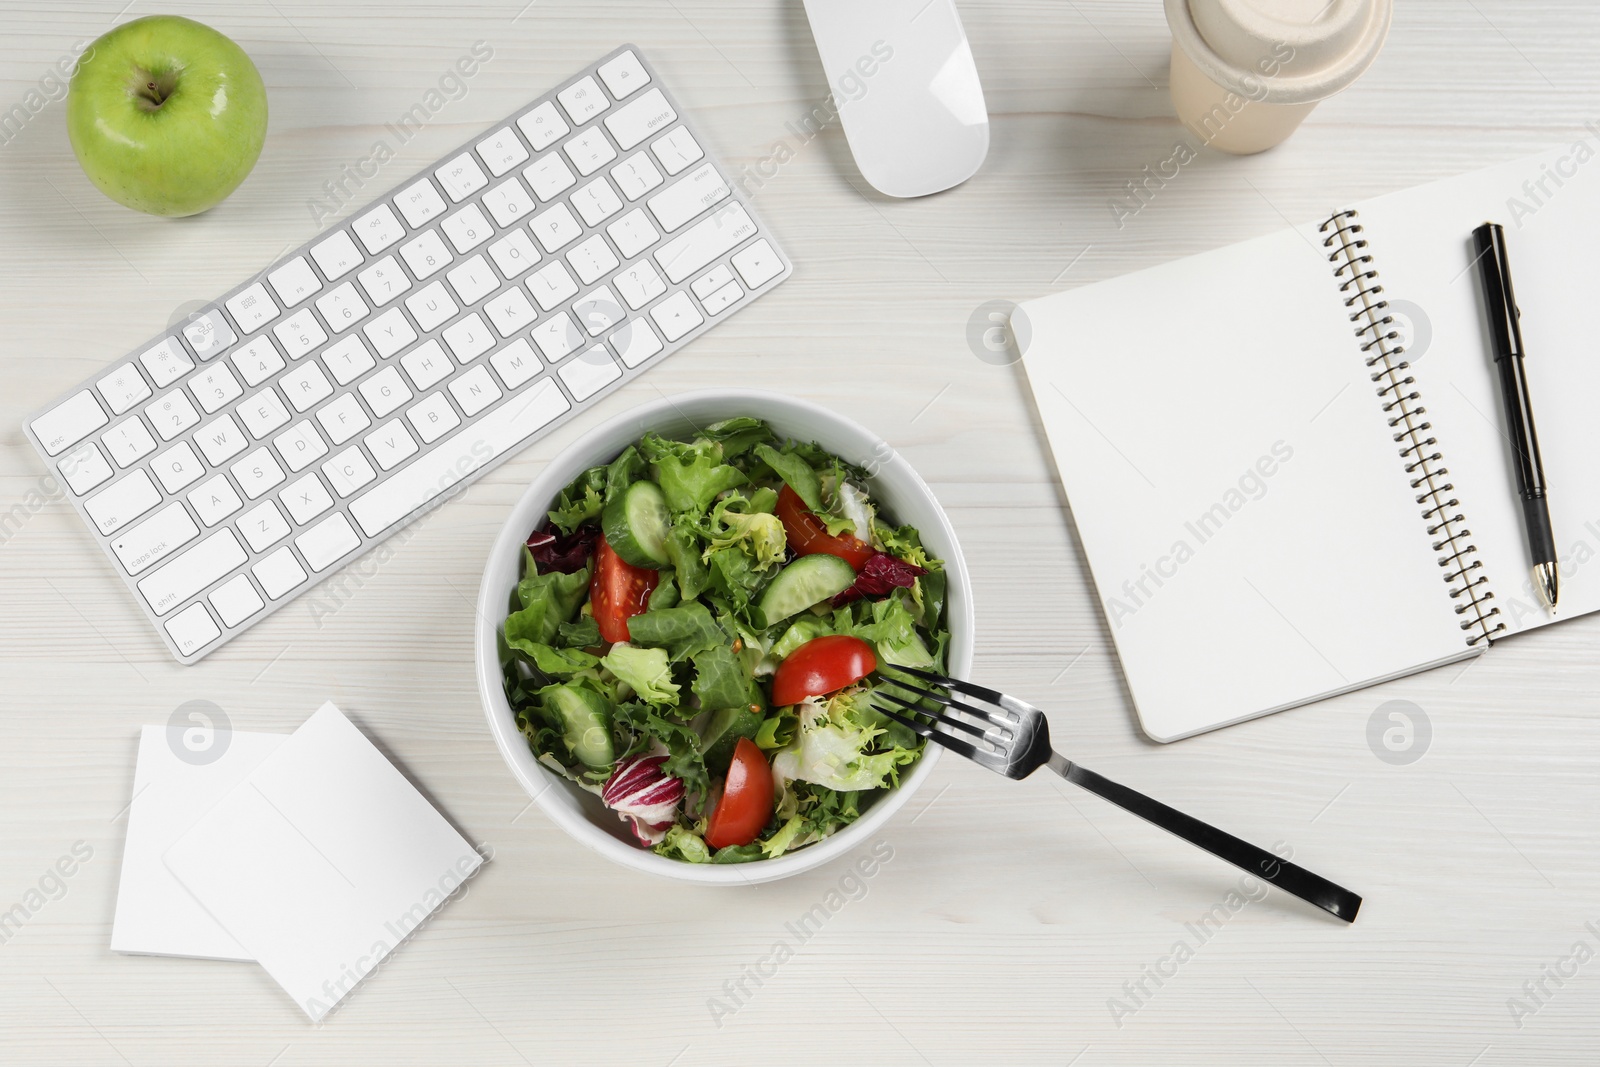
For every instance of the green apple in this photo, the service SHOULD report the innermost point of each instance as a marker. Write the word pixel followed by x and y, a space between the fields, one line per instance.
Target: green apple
pixel 166 115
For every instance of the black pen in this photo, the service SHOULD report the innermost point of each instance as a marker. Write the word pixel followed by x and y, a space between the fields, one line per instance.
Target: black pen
pixel 1505 335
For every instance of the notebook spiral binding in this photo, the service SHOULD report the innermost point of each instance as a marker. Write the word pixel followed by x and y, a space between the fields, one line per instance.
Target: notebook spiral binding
pixel 1363 299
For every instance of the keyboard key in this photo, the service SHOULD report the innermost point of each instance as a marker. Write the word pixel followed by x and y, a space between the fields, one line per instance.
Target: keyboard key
pixel 69 422
pixel 378 228
pixel 636 122
pixel 256 361
pixel 551 286
pixel 590 372
pixel 597 201
pixel 294 281
pixel 508 202
pixel 305 386
pixel 263 526
pixel 510 312
pixel 722 299
pixel 599 311
pixel 498 432
pixel 390 443
pixel 639 284
pixel 177 467
pixel 348 359
pixel 128 441
pixel 279 573
pixel 384 391
pixel 514 254
pixel 305 499
pixel 757 264
pixel 172 414
pixel 475 390
pixel 705 241
pixel 192 629
pixel 676 315
pixel 121 502
pixel 434 417
pixel 426 253
pixel 582 100
pixel 516 364
pixel 215 386
pixel 688 197
pixel 461 177
pixel 235 600
pixel 299 446
pixel 209 334
pixel 342 308
pixel 337 256
pixel 256 473
pixel 154 539
pixel 589 151
pixel 343 419
pixel 543 126
pixel 214 500
pixel 123 388
pixel 166 362
pixel 299 333
pixel 327 542
pixel 426 365
pixel 501 151
pixel 677 150
pixel 475 279
pixel 636 175
pixel 389 332
pixel 592 259
pixel 549 177
pixel 467 229
pixel 220 440
pixel 624 74
pixel 431 307
pixel 557 337
pixel 419 202
pixel 383 281
pixel 348 471
pixel 252 308
pixel 470 338
pixel 711 281
pixel 263 413
pixel 183 576
pixel 84 468
pixel 635 342
pixel 555 227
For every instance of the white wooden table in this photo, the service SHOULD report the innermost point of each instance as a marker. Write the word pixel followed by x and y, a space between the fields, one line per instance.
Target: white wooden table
pixel 1014 923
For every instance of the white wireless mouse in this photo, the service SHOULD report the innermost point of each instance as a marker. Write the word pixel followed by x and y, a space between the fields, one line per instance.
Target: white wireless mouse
pixel 908 94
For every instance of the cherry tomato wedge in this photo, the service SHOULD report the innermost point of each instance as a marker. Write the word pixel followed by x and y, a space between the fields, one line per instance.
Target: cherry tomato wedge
pixel 618 591
pixel 808 536
pixel 746 804
pixel 820 666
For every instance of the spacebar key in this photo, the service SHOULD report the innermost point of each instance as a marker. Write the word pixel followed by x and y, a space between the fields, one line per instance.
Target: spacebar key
pixel 459 458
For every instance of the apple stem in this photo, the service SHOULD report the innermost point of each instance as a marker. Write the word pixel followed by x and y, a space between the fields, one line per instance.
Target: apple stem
pixel 153 89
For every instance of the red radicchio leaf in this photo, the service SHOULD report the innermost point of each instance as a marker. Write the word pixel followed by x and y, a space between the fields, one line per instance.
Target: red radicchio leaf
pixel 641 793
pixel 565 553
pixel 880 576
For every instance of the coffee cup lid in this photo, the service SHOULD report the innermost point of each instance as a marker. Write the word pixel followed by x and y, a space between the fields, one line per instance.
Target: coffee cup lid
pixel 1281 51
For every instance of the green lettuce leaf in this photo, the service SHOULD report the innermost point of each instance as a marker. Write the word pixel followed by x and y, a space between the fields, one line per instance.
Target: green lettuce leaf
pixel 547 600
pixel 645 670
pixel 683 630
pixel 684 758
pixel 690 475
pixel 721 678
pixel 733 523
pixel 581 501
pixel 690 571
pixel 796 473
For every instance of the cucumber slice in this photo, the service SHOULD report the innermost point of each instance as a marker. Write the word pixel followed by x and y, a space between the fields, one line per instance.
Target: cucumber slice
pixel 635 525
pixel 585 719
pixel 803 583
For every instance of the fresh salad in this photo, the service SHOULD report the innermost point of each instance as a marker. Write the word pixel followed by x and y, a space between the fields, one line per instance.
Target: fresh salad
pixel 697 634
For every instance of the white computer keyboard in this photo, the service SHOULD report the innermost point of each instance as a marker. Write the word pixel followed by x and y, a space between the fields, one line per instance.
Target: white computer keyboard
pixel 228 465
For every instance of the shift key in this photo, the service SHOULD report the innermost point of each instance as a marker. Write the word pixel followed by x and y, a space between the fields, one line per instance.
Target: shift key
pixel 700 244
pixel 180 579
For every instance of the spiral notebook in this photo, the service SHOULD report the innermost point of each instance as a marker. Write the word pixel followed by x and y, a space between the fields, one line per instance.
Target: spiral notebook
pixel 1285 459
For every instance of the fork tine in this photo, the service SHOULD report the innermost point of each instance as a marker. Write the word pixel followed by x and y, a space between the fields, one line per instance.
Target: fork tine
pixel 949 702
pixel 968 727
pixel 946 682
pixel 954 744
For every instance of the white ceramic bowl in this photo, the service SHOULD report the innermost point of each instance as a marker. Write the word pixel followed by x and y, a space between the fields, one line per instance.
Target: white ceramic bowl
pixel 903 497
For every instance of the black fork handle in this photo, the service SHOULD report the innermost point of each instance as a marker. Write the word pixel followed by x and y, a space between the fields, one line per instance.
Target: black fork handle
pixel 1290 877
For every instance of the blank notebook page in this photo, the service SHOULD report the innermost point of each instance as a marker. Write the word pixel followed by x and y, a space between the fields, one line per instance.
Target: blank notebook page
pixel 1235 485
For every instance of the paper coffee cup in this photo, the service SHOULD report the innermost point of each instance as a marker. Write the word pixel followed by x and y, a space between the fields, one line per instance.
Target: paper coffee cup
pixel 1246 72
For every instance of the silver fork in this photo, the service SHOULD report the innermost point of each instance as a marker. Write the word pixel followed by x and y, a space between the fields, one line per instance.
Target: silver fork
pixel 1011 737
